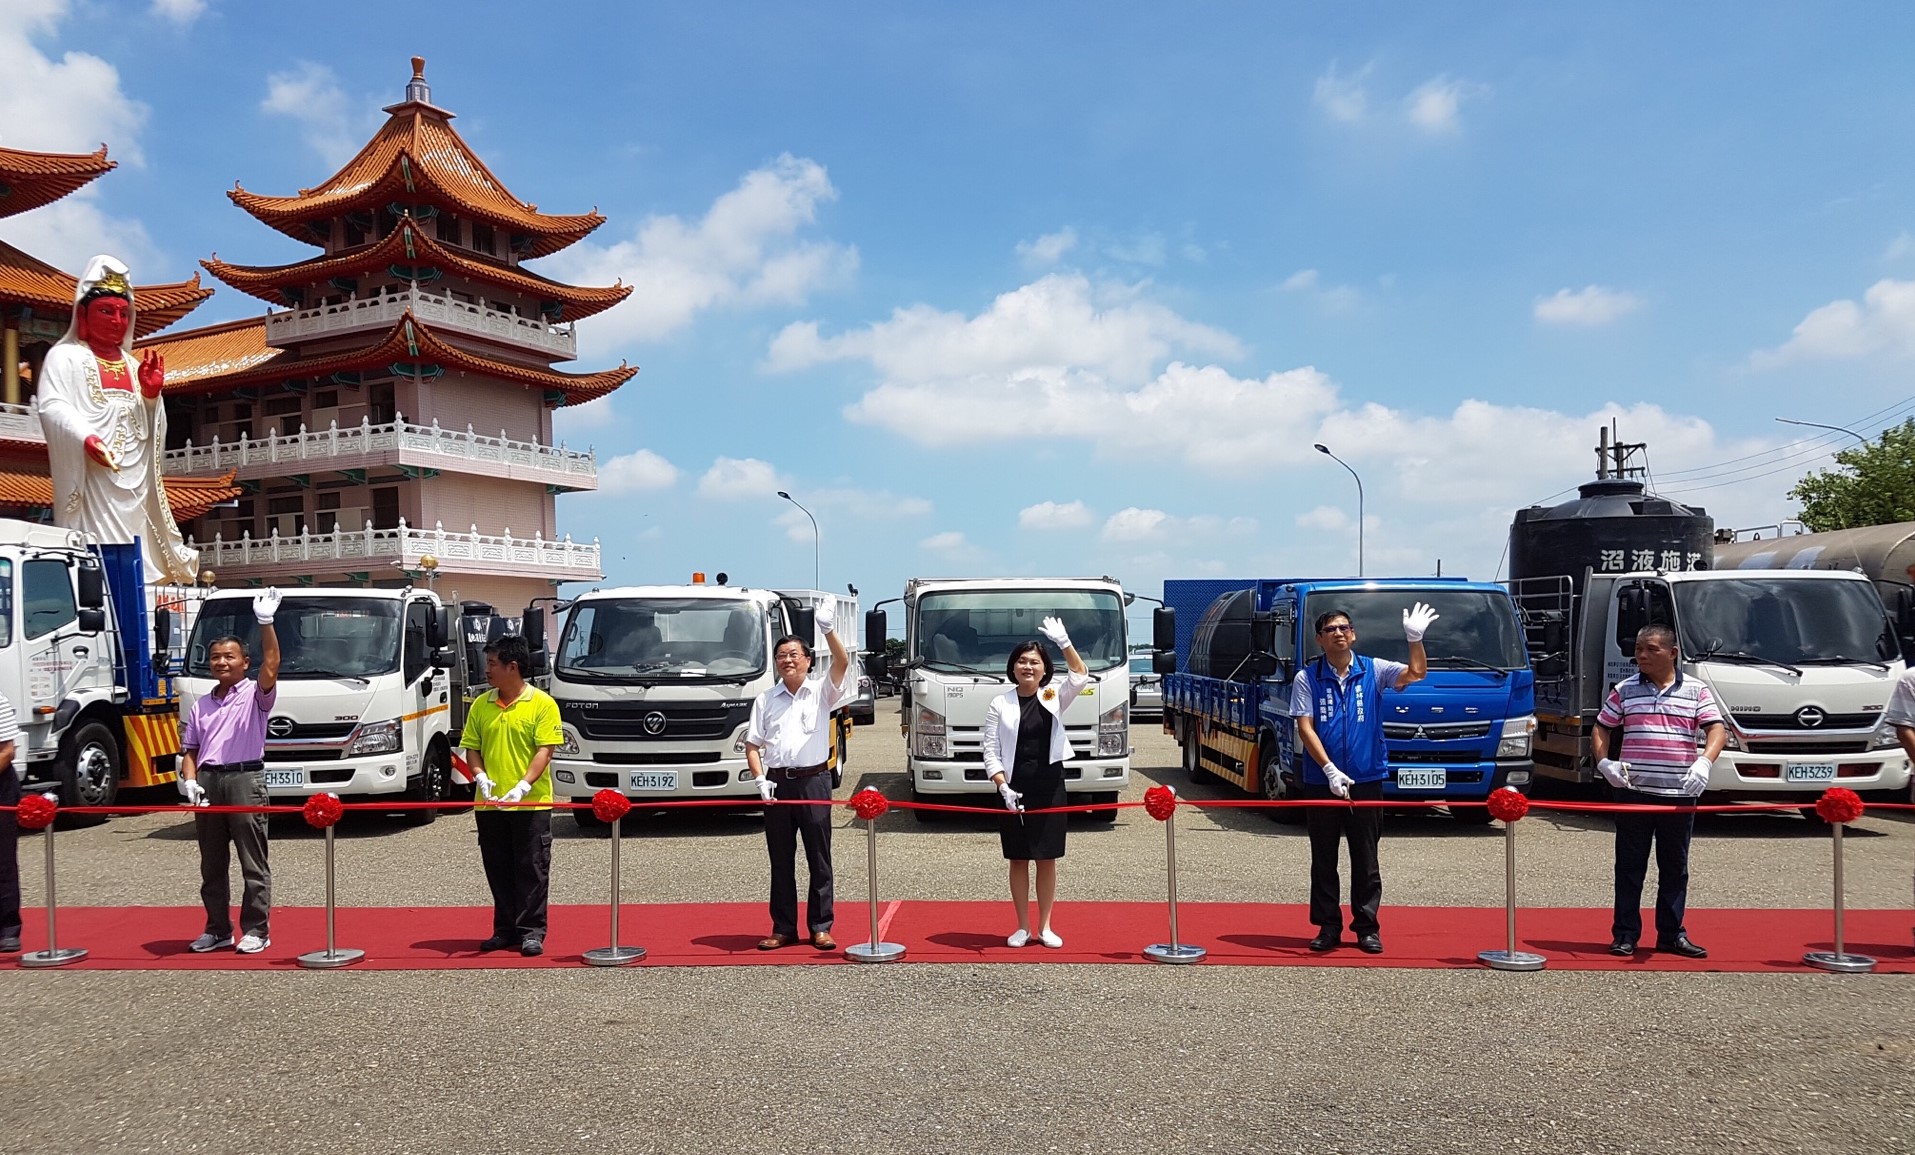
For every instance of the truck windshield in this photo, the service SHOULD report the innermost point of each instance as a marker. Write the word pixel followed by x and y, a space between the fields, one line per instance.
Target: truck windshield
pixel 318 637
pixel 1790 620
pixel 624 639
pixel 975 631
pixel 1477 629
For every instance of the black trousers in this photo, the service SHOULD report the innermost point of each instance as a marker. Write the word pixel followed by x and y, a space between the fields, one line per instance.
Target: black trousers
pixel 783 826
pixel 1670 831
pixel 1363 827
pixel 9 855
pixel 516 848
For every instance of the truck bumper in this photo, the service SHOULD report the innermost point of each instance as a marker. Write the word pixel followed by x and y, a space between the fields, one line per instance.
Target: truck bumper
pixel 579 778
pixel 1081 776
pixel 1757 773
pixel 1468 782
pixel 372 775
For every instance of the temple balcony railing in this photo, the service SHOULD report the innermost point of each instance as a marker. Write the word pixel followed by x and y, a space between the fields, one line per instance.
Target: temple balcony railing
pixel 398 443
pixel 21 423
pixel 288 327
pixel 403 548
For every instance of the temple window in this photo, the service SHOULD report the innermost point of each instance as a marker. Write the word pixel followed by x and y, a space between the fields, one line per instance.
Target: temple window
pixel 448 228
pixel 482 239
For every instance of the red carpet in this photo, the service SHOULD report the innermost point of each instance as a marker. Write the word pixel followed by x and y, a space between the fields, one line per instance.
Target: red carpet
pixel 1236 934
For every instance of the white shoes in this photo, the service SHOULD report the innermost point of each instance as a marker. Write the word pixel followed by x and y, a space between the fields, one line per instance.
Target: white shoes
pixel 208 941
pixel 1046 937
pixel 1018 939
pixel 1023 938
pixel 253 944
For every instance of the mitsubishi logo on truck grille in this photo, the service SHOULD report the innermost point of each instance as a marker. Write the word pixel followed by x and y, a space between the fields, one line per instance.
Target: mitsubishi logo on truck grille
pixel 280 727
pixel 1809 717
pixel 654 723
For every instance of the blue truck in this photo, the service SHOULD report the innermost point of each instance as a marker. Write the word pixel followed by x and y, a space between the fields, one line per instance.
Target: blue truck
pixel 1458 734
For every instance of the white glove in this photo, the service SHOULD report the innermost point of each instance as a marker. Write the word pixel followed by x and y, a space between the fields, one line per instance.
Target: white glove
pixel 1053 631
pixel 517 792
pixel 1013 801
pixel 482 784
pixel 265 605
pixel 1416 621
pixel 1697 779
pixel 1340 782
pixel 192 792
pixel 826 616
pixel 767 789
pixel 1613 772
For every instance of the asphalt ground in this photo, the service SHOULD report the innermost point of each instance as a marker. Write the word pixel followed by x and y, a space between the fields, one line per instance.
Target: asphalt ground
pixel 1051 1057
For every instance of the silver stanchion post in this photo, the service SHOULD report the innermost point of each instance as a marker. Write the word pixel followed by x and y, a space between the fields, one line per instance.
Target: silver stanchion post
pixel 1509 958
pixel 614 955
pixel 1173 951
pixel 1838 960
pixel 55 955
pixel 876 950
pixel 333 955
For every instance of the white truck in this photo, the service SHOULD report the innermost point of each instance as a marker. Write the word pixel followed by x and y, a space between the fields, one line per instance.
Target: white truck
pixel 371 691
pixel 1801 663
pixel 959 633
pixel 655 686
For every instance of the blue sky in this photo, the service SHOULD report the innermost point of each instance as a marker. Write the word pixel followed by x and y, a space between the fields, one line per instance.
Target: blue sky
pixel 1072 288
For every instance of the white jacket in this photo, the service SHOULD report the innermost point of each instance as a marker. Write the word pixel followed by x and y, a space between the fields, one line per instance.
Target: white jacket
pixel 1000 724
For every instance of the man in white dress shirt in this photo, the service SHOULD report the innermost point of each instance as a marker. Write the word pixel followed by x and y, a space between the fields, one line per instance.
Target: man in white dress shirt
pixel 788 746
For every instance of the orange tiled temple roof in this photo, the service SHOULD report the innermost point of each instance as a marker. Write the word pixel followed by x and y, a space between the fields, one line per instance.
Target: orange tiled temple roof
pixel 31 179
pixel 197 356
pixel 26 280
pixel 189 496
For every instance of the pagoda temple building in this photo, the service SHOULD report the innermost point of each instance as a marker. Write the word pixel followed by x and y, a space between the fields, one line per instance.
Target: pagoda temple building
pixel 36 306
pixel 390 418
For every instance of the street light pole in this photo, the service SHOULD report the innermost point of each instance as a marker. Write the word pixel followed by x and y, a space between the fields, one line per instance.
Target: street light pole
pixel 817 581
pixel 1830 428
pixel 1320 447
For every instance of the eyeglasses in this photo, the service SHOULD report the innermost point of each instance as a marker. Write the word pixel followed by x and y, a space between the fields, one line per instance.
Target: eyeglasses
pixel 1337 630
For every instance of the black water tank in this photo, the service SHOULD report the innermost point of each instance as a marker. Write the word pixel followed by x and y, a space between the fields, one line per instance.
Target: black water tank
pixel 1613 526
pixel 1222 640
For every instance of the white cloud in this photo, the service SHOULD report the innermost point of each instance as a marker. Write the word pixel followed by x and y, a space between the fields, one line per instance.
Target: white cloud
pixel 1343 98
pixel 745 251
pixel 181 12
pixel 1434 105
pixel 838 505
pixel 1047 515
pixel 309 95
pixel 66 233
pixel 950 542
pixel 1883 322
pixel 1333 298
pixel 1147 249
pixel 1589 307
pixel 741 479
pixel 636 472
pixel 1048 249
pixel 72 104
pixel 1324 517
pixel 1134 524
pixel 1300 280
pixel 1902 247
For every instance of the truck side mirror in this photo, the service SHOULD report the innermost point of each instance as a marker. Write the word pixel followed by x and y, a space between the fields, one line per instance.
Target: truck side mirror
pixel 1163 629
pixel 92 580
pixel 1905 613
pixel 1555 636
pixel 532 623
pixel 439 628
pixel 804 623
pixel 1261 664
pixel 443 657
pixel 1163 661
pixel 162 631
pixel 1263 633
pixel 877 665
pixel 876 629
pixel 1632 613
pixel 92 621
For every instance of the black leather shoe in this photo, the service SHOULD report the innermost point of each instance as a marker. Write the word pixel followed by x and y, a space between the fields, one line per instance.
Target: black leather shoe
pixel 1622 948
pixel 1370 944
pixel 10 944
pixel 1682 946
pixel 1326 940
pixel 499 942
pixel 532 948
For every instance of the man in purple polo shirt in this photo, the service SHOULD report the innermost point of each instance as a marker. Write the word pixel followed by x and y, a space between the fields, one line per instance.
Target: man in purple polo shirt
pixel 222 763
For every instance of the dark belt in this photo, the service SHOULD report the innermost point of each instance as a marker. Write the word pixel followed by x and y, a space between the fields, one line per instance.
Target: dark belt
pixel 793 773
pixel 233 767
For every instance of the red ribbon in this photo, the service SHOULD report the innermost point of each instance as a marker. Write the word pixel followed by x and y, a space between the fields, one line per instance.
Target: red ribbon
pixel 1507 804
pixel 37 811
pixel 1839 805
pixel 1160 802
pixel 869 804
pixel 323 810
pixel 610 806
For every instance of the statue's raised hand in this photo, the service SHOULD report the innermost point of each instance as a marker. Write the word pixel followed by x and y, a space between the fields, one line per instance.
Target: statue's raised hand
pixel 152 375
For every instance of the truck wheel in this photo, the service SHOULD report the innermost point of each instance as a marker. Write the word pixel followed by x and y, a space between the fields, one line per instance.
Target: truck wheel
pixel 89 769
pixel 588 823
pixel 1193 759
pixel 432 785
pixel 1274 788
pixel 927 817
pixel 1102 815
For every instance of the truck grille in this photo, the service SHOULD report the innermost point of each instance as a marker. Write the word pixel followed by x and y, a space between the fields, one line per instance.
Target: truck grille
pixel 1856 746
pixel 1791 722
pixel 1437 757
pixel 654 758
pixel 656 721
pixel 1435 731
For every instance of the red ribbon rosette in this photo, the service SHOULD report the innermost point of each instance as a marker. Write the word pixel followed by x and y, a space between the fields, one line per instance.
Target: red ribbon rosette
pixel 36 811
pixel 869 804
pixel 610 806
pixel 323 810
pixel 1507 804
pixel 1839 804
pixel 1160 802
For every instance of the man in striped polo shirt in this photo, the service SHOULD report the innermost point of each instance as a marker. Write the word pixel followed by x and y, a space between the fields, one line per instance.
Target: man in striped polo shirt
pixel 1658 712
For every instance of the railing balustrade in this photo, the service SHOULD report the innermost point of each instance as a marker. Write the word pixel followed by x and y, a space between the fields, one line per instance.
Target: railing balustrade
pixel 404 545
pixel 366 438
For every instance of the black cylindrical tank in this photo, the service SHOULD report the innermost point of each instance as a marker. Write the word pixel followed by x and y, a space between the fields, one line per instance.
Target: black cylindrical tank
pixel 1613 526
pixel 1222 639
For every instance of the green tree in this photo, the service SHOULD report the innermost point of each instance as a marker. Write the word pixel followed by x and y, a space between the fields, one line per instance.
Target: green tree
pixel 1875 484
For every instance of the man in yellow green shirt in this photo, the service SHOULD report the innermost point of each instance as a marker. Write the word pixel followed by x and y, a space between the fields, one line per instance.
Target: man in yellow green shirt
pixel 510 734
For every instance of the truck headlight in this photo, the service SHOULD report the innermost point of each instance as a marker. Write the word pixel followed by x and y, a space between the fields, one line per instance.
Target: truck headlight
pixel 1113 731
pixel 1885 738
pixel 570 744
pixel 1515 740
pixel 927 740
pixel 378 738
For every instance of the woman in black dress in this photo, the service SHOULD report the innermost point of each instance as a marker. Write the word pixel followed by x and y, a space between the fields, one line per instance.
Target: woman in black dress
pixel 1024 744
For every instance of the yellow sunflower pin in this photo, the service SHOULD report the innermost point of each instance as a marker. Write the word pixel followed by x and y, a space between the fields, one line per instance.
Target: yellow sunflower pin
pixel 1050 693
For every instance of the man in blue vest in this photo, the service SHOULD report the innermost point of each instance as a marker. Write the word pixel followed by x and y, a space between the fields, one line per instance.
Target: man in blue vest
pixel 1337 704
